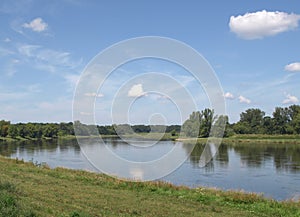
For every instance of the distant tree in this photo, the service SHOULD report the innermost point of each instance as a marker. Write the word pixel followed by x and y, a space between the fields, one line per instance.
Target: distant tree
pixel 242 128
pixel 50 130
pixel 251 121
pixel 13 131
pixel 111 130
pixel 4 126
pixel 268 125
pixel 171 128
pixel 123 129
pixel 294 113
pixel 66 129
pixel 222 128
pixel 81 129
pixel 34 130
pixel 22 130
pixel 281 119
pixel 295 123
pixel 174 133
pixel 192 125
pixel 207 119
pixel 141 128
pixel 199 123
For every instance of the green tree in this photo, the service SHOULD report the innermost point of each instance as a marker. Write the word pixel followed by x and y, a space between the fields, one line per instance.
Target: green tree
pixel 207 119
pixel 81 129
pixel 251 121
pixel 4 126
pixel 222 128
pixel 13 131
pixel 268 125
pixel 295 123
pixel 281 119
pixel 50 130
pixel 22 130
pixel 192 125
pixel 66 129
pixel 294 113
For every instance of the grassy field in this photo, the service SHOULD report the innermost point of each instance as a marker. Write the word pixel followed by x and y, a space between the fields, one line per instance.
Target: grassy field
pixel 27 190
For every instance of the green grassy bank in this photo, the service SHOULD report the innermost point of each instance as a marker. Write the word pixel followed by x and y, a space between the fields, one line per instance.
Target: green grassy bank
pixel 27 190
pixel 237 138
pixel 251 138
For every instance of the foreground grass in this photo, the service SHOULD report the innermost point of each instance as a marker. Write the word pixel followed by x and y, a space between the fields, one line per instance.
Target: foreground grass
pixel 27 190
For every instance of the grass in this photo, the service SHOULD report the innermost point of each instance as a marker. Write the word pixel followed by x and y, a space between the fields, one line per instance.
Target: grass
pixel 251 138
pixel 27 190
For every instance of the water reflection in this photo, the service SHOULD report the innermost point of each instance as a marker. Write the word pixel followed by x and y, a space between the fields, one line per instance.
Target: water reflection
pixel 284 156
pixel 37 146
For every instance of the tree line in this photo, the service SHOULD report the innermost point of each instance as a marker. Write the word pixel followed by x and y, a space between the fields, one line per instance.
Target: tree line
pixel 284 120
pixel 53 130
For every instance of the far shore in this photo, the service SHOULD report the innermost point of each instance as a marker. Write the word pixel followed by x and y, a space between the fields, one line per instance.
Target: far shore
pixel 237 138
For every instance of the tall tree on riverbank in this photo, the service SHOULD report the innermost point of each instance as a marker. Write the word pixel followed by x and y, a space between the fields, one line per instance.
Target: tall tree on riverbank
pixel 251 121
pixel 4 126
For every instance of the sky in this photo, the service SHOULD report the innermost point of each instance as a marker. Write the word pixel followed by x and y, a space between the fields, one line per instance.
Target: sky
pixel 45 46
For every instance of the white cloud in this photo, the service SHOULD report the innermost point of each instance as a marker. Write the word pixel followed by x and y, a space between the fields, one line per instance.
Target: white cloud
pixel 228 95
pixel 36 25
pixel 262 23
pixel 5 52
pixel 290 99
pixel 243 99
pixel 47 59
pixel 57 58
pixel 136 91
pixel 28 49
pixel 7 40
pixel 293 67
pixel 94 95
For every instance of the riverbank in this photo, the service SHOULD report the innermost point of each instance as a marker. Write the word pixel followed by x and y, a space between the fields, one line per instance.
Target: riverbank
pixel 143 136
pixel 39 191
pixel 250 138
pixel 241 138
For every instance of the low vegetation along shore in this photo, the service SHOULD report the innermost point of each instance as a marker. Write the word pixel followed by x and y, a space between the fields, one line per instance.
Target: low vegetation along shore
pixel 241 139
pixel 28 190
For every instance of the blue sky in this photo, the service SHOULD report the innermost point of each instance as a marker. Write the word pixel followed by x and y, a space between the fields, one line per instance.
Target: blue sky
pixel 45 45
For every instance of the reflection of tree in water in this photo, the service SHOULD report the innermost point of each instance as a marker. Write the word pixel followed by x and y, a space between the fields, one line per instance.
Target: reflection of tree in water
pixel 68 144
pixel 7 148
pixel 31 146
pixel 221 157
pixel 285 156
pixel 251 155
